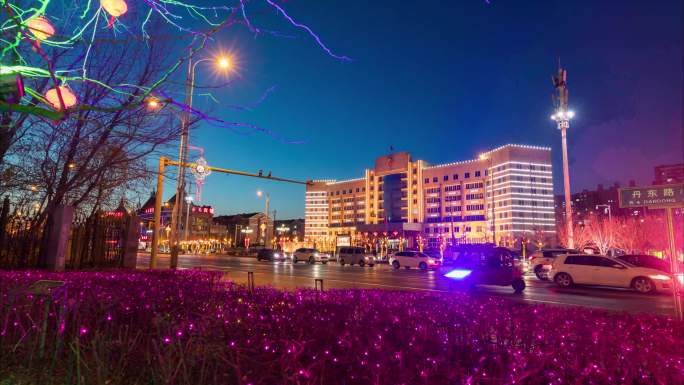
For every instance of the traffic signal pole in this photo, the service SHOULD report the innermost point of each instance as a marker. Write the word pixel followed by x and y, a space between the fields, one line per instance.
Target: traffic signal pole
pixel 163 162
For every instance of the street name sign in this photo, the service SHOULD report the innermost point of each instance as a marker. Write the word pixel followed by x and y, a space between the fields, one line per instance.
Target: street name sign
pixel 659 196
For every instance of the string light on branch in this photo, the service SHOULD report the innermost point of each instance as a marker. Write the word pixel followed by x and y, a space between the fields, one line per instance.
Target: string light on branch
pixel 67 96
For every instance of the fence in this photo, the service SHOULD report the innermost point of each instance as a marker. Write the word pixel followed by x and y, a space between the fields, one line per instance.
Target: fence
pixel 98 241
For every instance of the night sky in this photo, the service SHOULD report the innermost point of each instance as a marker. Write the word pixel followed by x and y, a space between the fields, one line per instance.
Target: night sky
pixel 444 81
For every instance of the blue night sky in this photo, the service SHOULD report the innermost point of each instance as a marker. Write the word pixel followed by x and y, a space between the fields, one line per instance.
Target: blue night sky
pixel 444 81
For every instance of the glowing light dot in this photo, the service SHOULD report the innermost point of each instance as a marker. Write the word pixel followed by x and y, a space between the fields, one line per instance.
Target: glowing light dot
pixel 224 63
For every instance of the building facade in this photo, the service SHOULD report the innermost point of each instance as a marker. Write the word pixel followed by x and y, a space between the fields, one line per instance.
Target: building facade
pixel 249 229
pixel 495 197
pixel 198 219
pixel 602 202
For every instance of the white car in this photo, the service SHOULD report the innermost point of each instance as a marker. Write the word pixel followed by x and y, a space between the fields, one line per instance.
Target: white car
pixel 600 270
pixel 409 259
pixel 541 260
pixel 309 255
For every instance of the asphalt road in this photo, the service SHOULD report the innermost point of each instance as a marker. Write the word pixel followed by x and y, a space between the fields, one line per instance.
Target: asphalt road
pixel 288 276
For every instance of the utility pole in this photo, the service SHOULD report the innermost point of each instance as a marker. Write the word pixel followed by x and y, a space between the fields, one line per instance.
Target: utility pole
pixel 562 117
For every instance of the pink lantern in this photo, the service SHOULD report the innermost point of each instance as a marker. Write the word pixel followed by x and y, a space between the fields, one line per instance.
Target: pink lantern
pixel 41 28
pixel 67 96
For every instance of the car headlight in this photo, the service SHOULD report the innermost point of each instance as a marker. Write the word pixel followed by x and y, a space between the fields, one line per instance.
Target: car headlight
pixel 458 274
pixel 680 278
pixel 660 277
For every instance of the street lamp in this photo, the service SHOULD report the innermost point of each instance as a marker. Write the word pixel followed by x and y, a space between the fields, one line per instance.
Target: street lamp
pixel 188 201
pixel 268 201
pixel 223 63
pixel 562 117
pixel 607 209
pixel 245 234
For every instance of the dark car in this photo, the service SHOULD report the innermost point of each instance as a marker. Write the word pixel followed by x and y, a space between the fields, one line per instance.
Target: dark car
pixel 270 255
pixel 486 265
pixel 649 261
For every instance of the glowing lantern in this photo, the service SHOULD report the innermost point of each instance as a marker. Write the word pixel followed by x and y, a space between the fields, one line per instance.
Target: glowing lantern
pixel 115 8
pixel 67 96
pixel 41 28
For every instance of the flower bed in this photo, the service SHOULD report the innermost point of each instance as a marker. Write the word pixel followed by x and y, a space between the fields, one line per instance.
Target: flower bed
pixel 189 327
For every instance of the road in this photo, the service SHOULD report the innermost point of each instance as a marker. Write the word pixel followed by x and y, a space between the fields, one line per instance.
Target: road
pixel 288 276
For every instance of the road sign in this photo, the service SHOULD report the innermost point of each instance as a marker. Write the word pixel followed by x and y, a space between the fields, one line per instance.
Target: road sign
pixel 659 196
pixel 664 197
pixel 44 287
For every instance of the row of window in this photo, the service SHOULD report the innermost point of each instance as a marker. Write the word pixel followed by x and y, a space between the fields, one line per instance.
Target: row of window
pixel 519 178
pixel 524 203
pixel 464 218
pixel 474 196
pixel 531 167
pixel 520 190
pixel 474 185
pixel 445 230
pixel 445 178
pixel 475 207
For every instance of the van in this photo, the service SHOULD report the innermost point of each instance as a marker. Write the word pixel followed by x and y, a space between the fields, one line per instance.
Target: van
pixel 355 256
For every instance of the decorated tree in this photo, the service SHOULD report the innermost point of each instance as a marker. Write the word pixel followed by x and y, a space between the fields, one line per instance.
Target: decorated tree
pixel 581 236
pixel 51 49
pixel 96 89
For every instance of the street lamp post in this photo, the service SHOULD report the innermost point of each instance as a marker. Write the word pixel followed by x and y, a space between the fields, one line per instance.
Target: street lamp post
pixel 188 201
pixel 266 212
pixel 225 64
pixel 607 209
pixel 245 234
pixel 562 117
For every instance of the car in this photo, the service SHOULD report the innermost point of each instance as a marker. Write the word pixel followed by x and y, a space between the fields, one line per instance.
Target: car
pixel 602 270
pixel 654 262
pixel 475 265
pixel 355 256
pixel 270 255
pixel 309 255
pixel 409 259
pixel 541 260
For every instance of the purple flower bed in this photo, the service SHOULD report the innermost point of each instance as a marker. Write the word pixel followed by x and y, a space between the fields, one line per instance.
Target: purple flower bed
pixel 189 327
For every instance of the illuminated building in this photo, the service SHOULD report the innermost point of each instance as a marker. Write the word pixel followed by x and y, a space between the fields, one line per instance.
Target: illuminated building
pixel 199 219
pixel 669 173
pixel 499 195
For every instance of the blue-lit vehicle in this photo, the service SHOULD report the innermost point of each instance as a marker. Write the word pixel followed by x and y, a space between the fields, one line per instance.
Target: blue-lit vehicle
pixel 474 265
